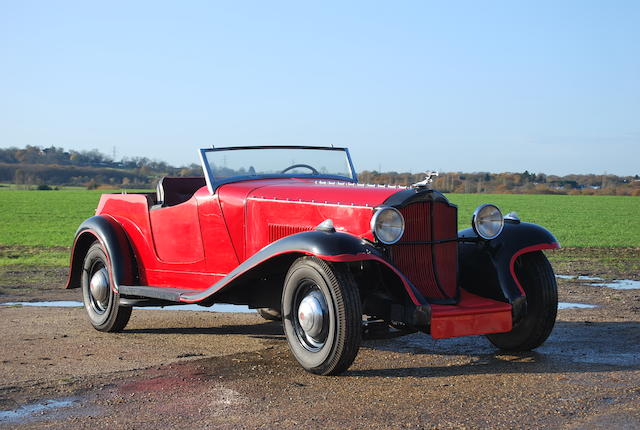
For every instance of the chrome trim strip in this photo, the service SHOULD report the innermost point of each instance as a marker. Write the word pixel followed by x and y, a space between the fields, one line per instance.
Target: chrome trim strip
pixel 304 202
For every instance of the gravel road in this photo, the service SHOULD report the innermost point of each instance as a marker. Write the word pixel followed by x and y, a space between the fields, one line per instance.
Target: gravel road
pixel 183 369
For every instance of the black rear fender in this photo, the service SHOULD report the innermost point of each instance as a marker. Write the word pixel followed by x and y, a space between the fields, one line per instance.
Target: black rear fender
pixel 115 243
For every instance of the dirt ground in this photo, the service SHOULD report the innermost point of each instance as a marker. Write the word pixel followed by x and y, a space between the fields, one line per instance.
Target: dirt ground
pixel 182 369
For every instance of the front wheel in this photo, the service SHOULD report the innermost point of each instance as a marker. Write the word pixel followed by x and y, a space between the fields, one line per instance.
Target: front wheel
pixel 101 303
pixel 535 274
pixel 322 315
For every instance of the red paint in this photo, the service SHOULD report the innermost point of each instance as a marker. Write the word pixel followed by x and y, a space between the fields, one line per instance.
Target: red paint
pixel 539 247
pixel 198 242
pixel 471 316
pixel 249 207
pixel 176 233
pixel 195 244
pixel 360 257
pixel 263 216
pixel 416 260
pixel 220 255
pixel 446 254
pixel 342 258
pixel 132 212
pixel 311 190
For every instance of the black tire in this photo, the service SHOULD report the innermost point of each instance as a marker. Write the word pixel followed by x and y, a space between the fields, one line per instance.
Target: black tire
pixel 535 274
pixel 331 344
pixel 270 314
pixel 101 303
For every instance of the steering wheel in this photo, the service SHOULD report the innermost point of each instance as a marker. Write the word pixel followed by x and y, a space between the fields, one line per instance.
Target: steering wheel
pixel 306 166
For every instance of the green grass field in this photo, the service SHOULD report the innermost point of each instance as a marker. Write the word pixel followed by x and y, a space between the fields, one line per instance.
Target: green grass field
pixel 37 227
pixel 577 221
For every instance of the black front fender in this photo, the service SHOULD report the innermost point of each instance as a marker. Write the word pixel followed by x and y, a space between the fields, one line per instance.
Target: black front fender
pixel 328 245
pixel 115 243
pixel 335 247
pixel 487 266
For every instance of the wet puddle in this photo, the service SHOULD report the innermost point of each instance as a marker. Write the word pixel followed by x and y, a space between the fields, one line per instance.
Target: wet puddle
pixel 618 284
pixel 57 304
pixel 588 278
pixel 74 304
pixel 623 284
pixel 215 308
pixel 567 305
pixel 23 413
pixel 580 277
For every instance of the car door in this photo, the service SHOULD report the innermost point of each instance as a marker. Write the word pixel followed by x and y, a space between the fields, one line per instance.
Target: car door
pixel 176 233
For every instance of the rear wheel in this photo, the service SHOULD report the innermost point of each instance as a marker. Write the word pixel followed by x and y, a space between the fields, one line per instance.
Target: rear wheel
pixel 535 274
pixel 322 316
pixel 101 303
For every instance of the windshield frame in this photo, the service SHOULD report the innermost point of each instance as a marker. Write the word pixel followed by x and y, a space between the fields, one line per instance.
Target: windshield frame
pixel 213 184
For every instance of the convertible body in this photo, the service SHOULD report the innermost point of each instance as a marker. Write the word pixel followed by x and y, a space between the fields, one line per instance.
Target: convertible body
pixel 240 239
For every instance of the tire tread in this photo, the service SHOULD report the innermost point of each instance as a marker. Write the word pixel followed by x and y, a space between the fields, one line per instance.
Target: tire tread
pixel 118 315
pixel 348 314
pixel 535 272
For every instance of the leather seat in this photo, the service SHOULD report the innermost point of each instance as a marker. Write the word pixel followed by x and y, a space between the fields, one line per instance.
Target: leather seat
pixel 172 191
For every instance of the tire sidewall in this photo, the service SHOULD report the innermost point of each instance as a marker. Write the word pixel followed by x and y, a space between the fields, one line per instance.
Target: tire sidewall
pixel 299 272
pixel 537 309
pixel 103 320
pixel 538 281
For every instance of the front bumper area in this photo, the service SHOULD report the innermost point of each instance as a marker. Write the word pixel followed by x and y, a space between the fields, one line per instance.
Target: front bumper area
pixel 472 315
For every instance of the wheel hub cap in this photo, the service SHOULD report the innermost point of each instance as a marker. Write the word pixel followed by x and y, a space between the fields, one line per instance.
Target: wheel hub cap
pixel 99 287
pixel 311 314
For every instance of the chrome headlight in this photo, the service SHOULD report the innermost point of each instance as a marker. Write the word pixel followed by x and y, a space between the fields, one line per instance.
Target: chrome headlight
pixel 487 221
pixel 387 225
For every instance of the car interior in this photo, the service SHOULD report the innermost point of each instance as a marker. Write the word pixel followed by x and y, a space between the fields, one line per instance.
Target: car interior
pixel 172 191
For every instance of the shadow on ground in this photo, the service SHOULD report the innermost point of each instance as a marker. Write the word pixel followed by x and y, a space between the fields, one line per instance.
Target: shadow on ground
pixel 572 347
pixel 271 330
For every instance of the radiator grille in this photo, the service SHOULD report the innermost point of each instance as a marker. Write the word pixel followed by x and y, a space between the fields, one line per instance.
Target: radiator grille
pixel 278 231
pixel 432 268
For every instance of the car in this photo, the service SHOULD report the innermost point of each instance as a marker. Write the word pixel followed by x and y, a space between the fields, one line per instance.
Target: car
pixel 290 231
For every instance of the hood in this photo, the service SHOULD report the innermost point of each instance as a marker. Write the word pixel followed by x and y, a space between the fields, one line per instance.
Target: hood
pixel 333 193
pixel 259 212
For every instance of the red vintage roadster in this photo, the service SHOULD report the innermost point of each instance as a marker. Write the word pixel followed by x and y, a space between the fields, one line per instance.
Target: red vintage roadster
pixel 290 231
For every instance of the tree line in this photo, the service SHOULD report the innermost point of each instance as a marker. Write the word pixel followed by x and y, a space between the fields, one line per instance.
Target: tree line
pixel 514 183
pixel 34 166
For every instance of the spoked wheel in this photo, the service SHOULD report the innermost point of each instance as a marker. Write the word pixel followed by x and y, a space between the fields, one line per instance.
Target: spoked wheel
pixel 100 302
pixel 535 274
pixel 322 316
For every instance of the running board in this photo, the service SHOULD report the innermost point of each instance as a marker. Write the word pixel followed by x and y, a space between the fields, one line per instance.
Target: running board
pixel 161 293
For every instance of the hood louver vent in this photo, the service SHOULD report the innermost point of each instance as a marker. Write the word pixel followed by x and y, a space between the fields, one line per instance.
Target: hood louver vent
pixel 278 231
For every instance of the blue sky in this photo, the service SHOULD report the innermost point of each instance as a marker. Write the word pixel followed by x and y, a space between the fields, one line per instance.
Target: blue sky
pixel 549 87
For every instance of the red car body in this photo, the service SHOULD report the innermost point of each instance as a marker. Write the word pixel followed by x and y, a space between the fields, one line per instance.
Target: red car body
pixel 196 241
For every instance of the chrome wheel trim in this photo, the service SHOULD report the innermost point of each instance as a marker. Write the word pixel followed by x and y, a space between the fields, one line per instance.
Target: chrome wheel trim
pixel 99 289
pixel 311 316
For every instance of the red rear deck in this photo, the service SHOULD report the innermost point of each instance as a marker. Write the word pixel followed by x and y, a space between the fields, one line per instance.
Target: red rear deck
pixel 472 315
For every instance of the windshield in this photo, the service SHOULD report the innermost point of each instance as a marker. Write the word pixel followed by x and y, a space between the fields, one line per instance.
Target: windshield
pixel 238 163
